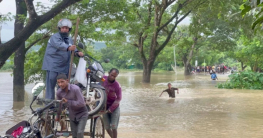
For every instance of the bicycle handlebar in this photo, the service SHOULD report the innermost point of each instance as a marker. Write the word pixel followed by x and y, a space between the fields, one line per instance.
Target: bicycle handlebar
pixel 48 106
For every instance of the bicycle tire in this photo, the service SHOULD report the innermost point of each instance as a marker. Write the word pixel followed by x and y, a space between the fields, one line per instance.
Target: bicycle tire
pixel 98 130
pixel 45 127
pixel 101 102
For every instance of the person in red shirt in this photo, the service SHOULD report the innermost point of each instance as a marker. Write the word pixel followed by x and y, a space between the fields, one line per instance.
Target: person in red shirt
pixel 170 91
pixel 114 96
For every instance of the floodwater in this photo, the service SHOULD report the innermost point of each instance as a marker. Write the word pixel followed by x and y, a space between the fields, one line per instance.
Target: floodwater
pixel 200 110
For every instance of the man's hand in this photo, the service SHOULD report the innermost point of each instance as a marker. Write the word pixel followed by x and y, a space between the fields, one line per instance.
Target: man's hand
pixel 71 48
pixel 64 100
pixel 80 54
pixel 178 91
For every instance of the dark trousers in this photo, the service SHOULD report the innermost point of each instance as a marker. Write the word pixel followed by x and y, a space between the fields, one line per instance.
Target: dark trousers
pixel 51 81
pixel 78 127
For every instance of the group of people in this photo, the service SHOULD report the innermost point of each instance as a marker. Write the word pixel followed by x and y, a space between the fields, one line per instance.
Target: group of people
pixel 56 64
pixel 218 69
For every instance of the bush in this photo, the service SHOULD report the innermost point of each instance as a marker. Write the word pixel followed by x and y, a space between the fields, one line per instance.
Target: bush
pixel 243 80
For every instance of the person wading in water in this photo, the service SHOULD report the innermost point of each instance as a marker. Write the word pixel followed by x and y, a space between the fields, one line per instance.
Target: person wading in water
pixel 170 91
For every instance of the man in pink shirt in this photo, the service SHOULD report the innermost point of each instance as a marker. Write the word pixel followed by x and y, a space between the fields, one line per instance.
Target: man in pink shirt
pixel 114 95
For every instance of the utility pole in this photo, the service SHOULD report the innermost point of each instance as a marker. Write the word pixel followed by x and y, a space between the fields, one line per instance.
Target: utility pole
pixel 175 62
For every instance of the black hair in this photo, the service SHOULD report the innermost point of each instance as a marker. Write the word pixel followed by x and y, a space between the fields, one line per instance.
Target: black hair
pixel 62 76
pixel 117 71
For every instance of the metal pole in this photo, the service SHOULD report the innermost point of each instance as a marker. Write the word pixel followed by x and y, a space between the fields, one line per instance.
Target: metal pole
pixel 175 62
pixel 204 65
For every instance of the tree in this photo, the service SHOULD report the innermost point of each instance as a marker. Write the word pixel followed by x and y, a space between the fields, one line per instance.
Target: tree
pixel 146 22
pixel 18 71
pixel 249 52
pixel 32 24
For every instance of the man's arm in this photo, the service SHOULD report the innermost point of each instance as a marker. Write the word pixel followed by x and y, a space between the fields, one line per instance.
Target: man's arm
pixel 56 41
pixel 176 89
pixel 163 92
pixel 116 103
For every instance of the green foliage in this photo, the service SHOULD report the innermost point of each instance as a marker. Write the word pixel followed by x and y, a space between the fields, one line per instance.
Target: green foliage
pixel 249 51
pixel 7 67
pixel 108 66
pixel 254 8
pixel 244 80
pixel 33 64
pixel 5 17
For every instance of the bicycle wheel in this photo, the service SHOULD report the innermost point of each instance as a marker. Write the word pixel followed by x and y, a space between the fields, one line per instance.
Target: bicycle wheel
pixel 96 101
pixel 98 128
pixel 45 125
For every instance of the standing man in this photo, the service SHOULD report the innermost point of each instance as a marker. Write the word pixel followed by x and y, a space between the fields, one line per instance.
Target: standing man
pixel 114 95
pixel 72 97
pixel 57 56
pixel 170 91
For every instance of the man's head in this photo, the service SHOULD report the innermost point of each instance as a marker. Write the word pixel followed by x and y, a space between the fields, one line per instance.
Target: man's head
pixel 64 27
pixel 169 85
pixel 113 74
pixel 62 81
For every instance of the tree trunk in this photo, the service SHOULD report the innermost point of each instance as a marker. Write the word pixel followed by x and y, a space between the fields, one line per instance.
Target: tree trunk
pixel 187 59
pixel 18 73
pixel 186 67
pixel 147 70
pixel 242 66
pixel 19 59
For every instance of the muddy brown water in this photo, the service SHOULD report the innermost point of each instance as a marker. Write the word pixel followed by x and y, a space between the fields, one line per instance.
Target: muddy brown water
pixel 200 110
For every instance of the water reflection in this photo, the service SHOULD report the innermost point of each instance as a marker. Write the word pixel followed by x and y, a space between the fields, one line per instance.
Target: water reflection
pixel 200 110
pixel 18 105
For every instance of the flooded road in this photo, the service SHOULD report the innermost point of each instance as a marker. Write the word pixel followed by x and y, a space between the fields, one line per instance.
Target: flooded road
pixel 199 111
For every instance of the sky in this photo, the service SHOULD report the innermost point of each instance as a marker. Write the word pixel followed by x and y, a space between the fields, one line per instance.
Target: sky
pixel 6 6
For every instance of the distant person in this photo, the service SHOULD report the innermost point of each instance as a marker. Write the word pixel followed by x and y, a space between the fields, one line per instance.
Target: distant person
pixel 114 96
pixel 213 76
pixel 198 69
pixel 223 68
pixel 170 91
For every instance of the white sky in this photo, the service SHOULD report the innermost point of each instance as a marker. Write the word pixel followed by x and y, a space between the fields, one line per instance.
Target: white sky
pixel 6 6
